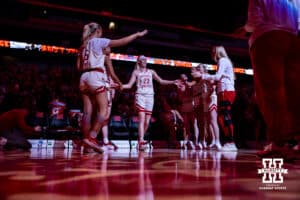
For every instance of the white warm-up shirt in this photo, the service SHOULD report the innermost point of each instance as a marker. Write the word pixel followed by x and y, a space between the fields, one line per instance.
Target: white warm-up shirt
pixel 224 75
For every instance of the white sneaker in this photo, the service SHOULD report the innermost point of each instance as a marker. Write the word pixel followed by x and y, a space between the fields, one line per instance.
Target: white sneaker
pixel 200 146
pixel 192 145
pixel 212 144
pixel 226 147
pixel 230 146
pixel 184 145
pixel 218 146
pixel 204 145
pixel 233 146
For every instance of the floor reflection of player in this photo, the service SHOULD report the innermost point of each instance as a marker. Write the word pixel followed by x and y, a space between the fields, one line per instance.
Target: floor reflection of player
pixel 211 161
pixel 104 183
pixel 144 182
pixel 95 167
pixel 216 168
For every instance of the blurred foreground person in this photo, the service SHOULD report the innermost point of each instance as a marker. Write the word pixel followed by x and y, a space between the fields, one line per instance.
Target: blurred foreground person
pixel 15 129
pixel 274 50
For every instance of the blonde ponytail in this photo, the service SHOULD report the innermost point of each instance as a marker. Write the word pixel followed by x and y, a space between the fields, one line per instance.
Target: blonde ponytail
pixel 88 30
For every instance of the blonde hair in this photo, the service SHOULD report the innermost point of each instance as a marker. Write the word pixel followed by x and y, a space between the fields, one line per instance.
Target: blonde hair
pixel 202 67
pixel 137 66
pixel 89 30
pixel 220 52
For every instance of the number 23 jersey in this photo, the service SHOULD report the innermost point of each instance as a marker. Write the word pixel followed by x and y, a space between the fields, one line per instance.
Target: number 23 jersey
pixel 145 82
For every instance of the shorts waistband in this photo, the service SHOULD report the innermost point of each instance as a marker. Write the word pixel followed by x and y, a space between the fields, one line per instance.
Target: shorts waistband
pixel 93 69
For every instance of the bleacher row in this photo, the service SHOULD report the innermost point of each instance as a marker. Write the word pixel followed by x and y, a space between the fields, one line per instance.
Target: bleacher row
pixel 123 127
pixel 67 126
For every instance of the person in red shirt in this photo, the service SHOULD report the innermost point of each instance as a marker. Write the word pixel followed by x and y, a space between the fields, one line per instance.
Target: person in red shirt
pixel 14 129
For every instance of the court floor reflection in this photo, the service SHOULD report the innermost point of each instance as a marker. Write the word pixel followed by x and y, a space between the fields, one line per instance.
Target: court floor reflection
pixel 124 174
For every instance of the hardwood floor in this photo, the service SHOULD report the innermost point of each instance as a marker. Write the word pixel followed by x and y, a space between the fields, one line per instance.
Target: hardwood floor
pixel 62 173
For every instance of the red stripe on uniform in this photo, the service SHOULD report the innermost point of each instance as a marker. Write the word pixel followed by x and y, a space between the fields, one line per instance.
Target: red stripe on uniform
pixel 100 89
pixel 213 107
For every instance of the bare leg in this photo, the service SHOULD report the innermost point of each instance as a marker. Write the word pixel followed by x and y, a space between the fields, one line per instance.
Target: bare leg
pixel 141 130
pixel 147 122
pixel 100 118
pixel 105 128
pixel 215 128
pixel 102 113
pixel 143 125
pixel 87 115
pixel 196 131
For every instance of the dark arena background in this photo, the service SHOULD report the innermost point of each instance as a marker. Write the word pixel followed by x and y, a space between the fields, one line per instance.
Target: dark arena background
pixel 39 42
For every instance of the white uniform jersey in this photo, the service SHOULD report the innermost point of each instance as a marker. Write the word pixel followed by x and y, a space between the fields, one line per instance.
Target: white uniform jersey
pixel 93 58
pixel 92 54
pixel 224 75
pixel 144 82
pixel 144 98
